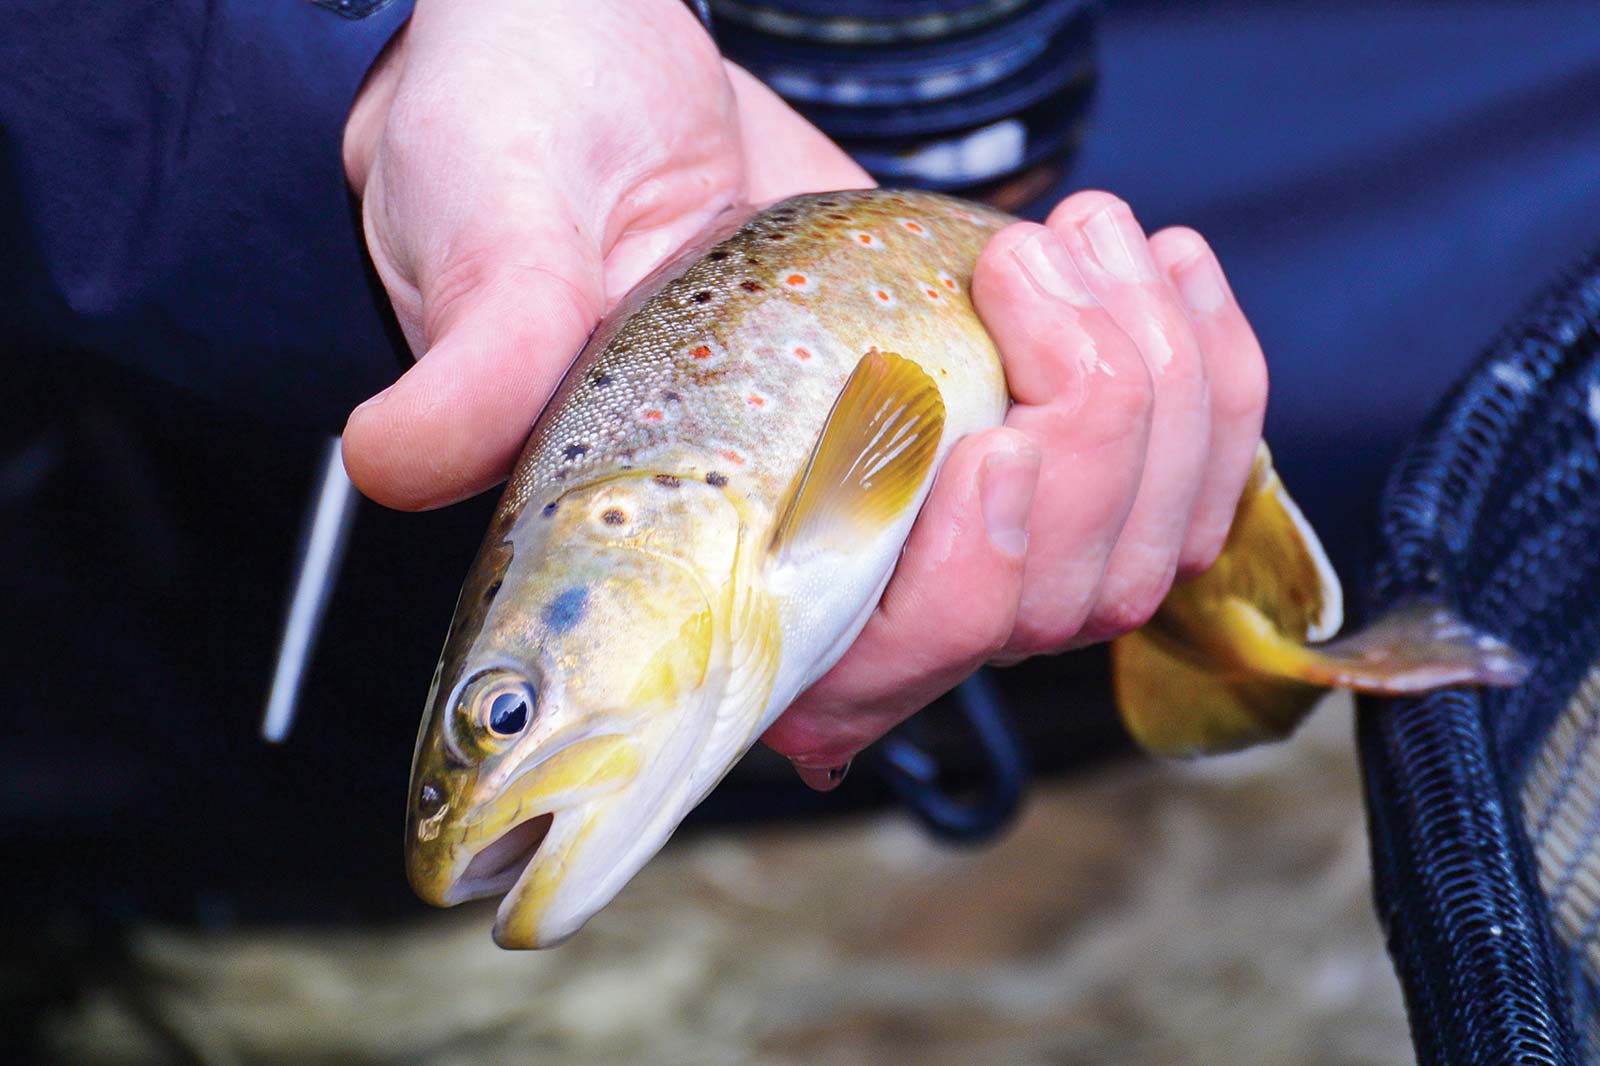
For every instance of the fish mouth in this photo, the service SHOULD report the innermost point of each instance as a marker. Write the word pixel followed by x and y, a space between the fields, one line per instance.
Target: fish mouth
pixel 507 837
pixel 498 865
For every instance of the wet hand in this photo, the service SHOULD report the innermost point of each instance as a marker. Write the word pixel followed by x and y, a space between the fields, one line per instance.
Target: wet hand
pixel 521 166
pixel 1140 391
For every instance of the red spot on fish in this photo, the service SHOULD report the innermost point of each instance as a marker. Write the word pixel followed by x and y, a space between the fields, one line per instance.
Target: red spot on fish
pixel 701 352
pixel 650 414
pixel 882 295
pixel 802 353
pixel 913 227
pixel 732 456
pixel 755 399
pixel 933 294
pixel 950 283
pixel 864 238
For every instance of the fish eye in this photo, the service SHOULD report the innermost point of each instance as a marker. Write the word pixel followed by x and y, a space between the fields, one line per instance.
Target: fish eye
pixel 499 704
pixel 508 714
pixel 492 708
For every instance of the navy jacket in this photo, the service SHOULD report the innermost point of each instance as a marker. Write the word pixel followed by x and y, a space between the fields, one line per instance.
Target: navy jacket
pixel 172 195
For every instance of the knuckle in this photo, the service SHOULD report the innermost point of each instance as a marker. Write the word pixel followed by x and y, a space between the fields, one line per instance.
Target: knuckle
pixel 1201 549
pixel 1132 605
pixel 976 638
pixel 1088 201
pixel 1129 392
pixel 1175 243
pixel 1125 615
pixel 1242 391
pixel 1041 638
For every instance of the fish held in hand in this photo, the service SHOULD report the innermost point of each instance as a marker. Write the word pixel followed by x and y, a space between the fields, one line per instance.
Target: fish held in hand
pixel 705 516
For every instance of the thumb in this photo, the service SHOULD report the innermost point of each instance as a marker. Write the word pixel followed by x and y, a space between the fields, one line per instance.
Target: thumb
pixel 500 329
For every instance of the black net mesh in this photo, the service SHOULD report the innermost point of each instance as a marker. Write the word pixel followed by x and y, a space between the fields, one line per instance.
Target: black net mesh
pixel 1485 806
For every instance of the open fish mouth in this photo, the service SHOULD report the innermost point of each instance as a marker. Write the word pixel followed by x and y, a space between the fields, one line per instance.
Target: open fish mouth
pixel 507 837
pixel 494 869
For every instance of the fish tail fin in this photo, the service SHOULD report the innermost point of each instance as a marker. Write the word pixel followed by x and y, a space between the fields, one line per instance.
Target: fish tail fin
pixel 1226 662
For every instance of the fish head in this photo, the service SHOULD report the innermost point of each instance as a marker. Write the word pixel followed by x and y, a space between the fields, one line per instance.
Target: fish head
pixel 580 675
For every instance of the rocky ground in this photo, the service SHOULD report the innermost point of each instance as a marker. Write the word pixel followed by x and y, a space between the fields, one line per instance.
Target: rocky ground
pixel 1142 915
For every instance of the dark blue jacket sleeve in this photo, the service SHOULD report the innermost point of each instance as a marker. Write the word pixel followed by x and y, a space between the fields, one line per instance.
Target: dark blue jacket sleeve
pixel 172 196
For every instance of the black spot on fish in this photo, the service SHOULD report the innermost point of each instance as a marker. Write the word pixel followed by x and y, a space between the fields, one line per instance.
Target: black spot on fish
pixel 750 286
pixel 601 379
pixel 702 297
pixel 669 396
pixel 574 451
pixel 667 481
pixel 563 612
pixel 717 256
pixel 614 516
pixel 777 236
pixel 716 480
pixel 752 260
pixel 494 586
pixel 550 508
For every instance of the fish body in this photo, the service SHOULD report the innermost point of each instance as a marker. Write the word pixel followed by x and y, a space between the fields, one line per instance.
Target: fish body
pixel 702 521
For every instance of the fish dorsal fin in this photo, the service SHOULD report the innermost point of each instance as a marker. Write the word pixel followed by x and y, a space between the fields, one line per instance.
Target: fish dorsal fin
pixel 871 459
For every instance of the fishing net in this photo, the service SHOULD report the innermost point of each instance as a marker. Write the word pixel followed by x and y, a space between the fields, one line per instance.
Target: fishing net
pixel 1484 807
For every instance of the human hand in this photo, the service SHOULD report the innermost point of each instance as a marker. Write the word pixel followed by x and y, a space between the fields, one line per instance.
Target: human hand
pixel 521 166
pixel 1140 391
pixel 512 193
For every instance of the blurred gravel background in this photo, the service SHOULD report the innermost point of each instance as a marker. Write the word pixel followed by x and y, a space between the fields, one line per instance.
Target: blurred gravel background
pixel 1141 914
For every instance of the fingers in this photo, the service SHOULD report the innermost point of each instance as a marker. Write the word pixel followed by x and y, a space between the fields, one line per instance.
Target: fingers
pixel 948 608
pixel 1236 373
pixel 1084 398
pixel 499 327
pixel 1111 250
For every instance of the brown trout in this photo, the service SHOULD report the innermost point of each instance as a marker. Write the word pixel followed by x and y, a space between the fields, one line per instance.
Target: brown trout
pixel 705 516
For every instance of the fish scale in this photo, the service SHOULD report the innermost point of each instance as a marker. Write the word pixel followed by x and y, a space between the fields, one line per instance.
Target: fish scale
pixel 728 369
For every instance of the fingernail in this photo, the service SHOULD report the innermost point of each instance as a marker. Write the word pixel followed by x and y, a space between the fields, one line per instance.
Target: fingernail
pixel 1200 284
pixel 1118 244
pixel 1046 262
pixel 823 779
pixel 1005 488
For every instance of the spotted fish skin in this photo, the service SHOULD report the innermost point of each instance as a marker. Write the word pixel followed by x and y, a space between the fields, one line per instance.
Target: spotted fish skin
pixel 726 370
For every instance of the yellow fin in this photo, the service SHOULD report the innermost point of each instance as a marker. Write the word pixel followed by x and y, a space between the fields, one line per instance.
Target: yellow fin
pixel 1225 662
pixel 872 457
pixel 1177 705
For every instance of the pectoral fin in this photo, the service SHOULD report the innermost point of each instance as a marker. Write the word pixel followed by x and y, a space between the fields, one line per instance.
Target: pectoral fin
pixel 871 460
pixel 1225 662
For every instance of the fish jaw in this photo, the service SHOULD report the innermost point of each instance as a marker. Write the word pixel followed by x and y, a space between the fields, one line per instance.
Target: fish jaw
pixel 590 852
pixel 485 855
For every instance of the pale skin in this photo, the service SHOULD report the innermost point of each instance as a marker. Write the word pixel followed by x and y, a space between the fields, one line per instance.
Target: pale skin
pixel 521 165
